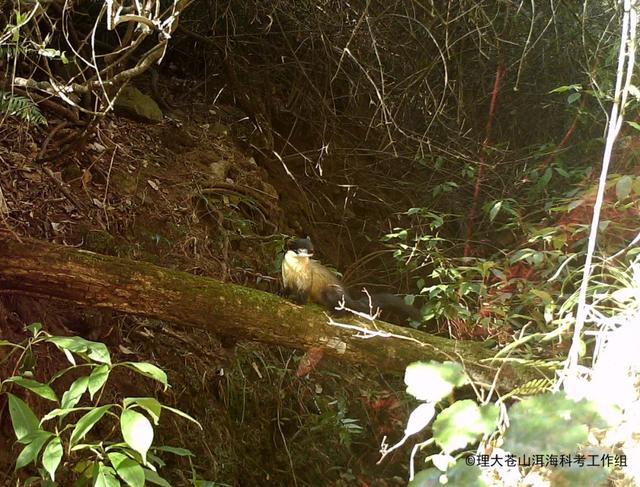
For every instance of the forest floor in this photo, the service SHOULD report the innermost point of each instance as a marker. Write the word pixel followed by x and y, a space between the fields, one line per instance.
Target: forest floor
pixel 186 193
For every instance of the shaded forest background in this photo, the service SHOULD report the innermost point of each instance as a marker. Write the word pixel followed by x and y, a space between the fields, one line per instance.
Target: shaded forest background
pixel 442 150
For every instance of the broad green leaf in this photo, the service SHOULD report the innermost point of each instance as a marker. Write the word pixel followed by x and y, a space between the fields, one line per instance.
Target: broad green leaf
pixel 154 478
pixel 71 397
pixel 105 477
pixel 22 417
pixel 98 377
pixel 136 431
pixel 432 381
pixel 42 390
pixel 547 423
pixel 30 452
pixel 96 351
pixel 419 418
pixel 623 187
pixel 127 469
pixel 52 456
pixel 151 371
pixel 149 404
pixel 84 425
pixel 463 423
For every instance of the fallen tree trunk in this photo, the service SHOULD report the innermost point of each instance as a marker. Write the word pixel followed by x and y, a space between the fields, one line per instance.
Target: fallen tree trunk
pixel 37 268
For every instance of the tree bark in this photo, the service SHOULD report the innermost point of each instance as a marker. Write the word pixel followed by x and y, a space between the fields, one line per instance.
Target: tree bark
pixel 38 268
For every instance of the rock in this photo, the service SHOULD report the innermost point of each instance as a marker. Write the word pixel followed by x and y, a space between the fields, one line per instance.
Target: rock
pixel 132 102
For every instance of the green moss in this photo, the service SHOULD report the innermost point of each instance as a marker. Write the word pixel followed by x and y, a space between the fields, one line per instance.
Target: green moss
pixel 101 242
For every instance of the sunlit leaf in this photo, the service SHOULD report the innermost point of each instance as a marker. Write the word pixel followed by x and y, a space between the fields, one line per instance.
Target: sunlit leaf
pixel 462 423
pixel 431 381
pixel 495 209
pixel 443 461
pixel 52 456
pixel 149 404
pixel 136 431
pixel 419 418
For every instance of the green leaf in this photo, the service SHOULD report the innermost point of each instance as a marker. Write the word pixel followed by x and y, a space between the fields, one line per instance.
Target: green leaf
pixel 34 328
pixel 105 477
pixel 573 97
pixel 564 88
pixel 129 470
pixel 98 377
pixel 183 452
pixel 426 478
pixel 30 452
pixel 150 370
pixel 432 381
pixel 544 296
pixel 84 425
pixel 96 351
pixel 182 414
pixel 71 397
pixel 54 413
pixel 623 187
pixel 149 404
pixel 136 431
pixel 42 390
pixel 635 125
pixel 52 456
pixel 547 423
pixel 463 423
pixel 22 417
pixel 154 478
pixel 494 210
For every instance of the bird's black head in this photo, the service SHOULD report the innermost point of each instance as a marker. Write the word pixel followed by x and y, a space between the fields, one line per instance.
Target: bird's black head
pixel 301 246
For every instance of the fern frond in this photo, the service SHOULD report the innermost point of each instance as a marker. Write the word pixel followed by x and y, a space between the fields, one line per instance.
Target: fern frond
pixel 21 107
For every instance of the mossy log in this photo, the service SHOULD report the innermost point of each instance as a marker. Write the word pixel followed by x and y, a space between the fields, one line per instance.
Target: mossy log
pixel 37 268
